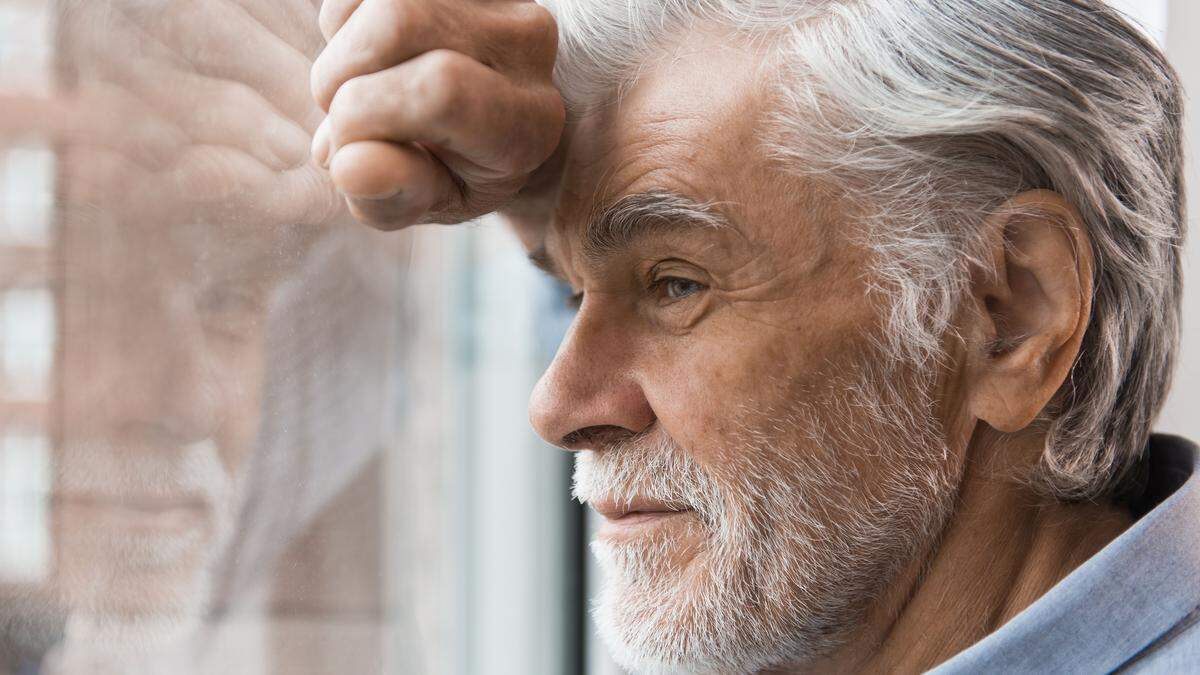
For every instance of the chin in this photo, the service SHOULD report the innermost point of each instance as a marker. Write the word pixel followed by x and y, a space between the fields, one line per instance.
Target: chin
pixel 119 614
pixel 688 609
pixel 118 569
pixel 111 594
pixel 753 592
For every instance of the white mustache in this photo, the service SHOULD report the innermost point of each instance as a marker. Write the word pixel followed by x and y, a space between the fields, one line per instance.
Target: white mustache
pixel 142 472
pixel 646 466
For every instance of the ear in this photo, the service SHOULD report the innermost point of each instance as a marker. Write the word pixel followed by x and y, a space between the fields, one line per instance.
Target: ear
pixel 1034 301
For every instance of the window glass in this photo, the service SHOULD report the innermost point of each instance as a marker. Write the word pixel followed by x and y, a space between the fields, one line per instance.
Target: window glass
pixel 239 431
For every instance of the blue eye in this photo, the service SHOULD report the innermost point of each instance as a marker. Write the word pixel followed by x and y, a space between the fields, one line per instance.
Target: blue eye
pixel 677 289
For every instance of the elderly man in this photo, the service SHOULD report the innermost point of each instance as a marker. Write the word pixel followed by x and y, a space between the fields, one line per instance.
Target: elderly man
pixel 877 303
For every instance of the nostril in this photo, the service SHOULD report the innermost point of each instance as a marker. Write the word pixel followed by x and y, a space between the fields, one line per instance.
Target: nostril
pixel 589 438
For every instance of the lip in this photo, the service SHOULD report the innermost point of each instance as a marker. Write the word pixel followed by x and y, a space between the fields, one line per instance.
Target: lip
pixel 148 514
pixel 636 509
pixel 630 519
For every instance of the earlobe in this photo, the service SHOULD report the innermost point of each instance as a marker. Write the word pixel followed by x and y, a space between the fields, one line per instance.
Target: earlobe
pixel 1034 304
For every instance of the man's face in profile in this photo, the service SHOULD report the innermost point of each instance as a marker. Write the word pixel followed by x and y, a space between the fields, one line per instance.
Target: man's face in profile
pixel 775 478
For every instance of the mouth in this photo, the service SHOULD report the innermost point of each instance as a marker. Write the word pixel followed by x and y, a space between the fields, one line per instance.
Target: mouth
pixel 148 515
pixel 637 516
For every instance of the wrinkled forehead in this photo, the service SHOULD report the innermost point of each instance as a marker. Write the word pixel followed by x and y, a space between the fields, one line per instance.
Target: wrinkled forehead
pixel 689 125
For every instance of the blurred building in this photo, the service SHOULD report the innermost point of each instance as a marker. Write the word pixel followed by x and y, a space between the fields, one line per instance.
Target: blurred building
pixel 27 310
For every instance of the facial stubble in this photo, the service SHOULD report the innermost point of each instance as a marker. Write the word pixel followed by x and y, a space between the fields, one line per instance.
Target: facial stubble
pixel 818 504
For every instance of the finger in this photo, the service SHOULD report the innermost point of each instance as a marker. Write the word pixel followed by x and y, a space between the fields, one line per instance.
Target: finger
pixel 97 192
pixel 93 117
pixel 111 116
pixel 223 41
pixel 389 185
pixel 223 185
pixel 448 100
pixel 208 110
pixel 519 39
pixel 516 39
pixel 334 14
pixel 222 112
pixel 377 35
pixel 320 145
pixel 216 187
pixel 294 21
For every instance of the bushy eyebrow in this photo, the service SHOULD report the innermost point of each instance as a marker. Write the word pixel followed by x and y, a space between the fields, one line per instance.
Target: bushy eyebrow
pixel 621 223
pixel 618 225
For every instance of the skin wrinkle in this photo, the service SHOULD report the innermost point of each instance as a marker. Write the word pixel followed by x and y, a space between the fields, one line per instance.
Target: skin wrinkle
pixel 859 511
pixel 730 295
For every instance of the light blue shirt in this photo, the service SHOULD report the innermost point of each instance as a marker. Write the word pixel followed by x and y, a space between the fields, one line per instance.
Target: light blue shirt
pixel 1134 607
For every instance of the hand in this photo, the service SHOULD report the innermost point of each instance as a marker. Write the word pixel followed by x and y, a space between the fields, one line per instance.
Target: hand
pixel 208 100
pixel 439 110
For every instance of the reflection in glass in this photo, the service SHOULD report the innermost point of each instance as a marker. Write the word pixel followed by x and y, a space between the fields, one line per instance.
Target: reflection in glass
pixel 26 195
pixel 24 521
pixel 196 349
pixel 26 46
pixel 239 432
pixel 27 338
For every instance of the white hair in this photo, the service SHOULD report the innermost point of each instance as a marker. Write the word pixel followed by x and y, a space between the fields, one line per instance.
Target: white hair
pixel 796 539
pixel 935 112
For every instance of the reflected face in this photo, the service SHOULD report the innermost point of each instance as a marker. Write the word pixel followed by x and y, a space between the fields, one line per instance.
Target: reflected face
pixel 161 368
pixel 761 471
pixel 183 200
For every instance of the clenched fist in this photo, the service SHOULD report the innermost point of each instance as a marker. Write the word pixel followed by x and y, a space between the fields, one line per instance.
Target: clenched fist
pixel 438 110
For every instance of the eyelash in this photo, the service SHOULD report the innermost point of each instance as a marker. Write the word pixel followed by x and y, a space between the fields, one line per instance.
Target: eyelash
pixel 659 285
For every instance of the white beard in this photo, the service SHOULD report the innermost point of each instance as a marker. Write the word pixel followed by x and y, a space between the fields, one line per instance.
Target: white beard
pixel 791 552
pixel 116 620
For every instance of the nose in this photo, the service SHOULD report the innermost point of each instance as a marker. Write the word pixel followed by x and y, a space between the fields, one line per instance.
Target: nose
pixel 590 394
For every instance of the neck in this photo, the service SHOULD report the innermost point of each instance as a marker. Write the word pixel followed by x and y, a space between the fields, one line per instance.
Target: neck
pixel 1002 549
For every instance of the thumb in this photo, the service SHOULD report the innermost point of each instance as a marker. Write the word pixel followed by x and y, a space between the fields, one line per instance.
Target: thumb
pixel 393 185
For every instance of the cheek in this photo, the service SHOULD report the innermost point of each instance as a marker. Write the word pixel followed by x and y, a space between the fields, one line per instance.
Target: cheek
pixel 712 388
pixel 696 389
pixel 708 393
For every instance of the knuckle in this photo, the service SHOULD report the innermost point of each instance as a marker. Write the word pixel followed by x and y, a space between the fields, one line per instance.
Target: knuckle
pixel 205 176
pixel 236 100
pixel 405 17
pixel 350 105
pixel 237 111
pixel 350 97
pixel 542 25
pixel 518 162
pixel 327 18
pixel 321 81
pixel 437 86
pixel 539 32
pixel 524 160
pixel 540 131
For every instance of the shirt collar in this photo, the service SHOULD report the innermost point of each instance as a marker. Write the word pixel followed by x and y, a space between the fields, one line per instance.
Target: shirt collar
pixel 1122 599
